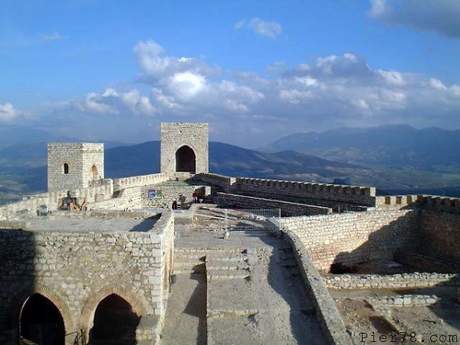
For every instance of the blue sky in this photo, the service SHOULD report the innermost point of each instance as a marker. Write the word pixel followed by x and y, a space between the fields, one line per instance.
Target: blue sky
pixel 256 70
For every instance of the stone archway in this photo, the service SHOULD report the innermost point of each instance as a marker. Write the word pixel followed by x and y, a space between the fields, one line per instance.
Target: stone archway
pixel 186 160
pixel 41 322
pixel 115 322
pixel 138 303
pixel 18 301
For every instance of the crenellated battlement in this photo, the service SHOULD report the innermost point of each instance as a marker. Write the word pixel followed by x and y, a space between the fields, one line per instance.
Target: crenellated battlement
pixel 431 202
pixel 139 181
pixel 349 194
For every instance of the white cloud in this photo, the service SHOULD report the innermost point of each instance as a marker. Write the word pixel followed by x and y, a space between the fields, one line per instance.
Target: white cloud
pixel 184 85
pixel 437 84
pixel 441 16
pixel 329 92
pixel 113 102
pixel 261 27
pixel 52 37
pixel 8 113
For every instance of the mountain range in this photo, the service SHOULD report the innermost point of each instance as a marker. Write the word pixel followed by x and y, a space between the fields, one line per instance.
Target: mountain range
pixel 396 146
pixel 396 159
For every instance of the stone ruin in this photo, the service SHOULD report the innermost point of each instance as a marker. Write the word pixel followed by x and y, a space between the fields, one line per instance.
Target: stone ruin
pixel 335 263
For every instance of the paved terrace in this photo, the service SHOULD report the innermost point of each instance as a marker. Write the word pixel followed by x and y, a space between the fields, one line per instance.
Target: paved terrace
pixel 244 289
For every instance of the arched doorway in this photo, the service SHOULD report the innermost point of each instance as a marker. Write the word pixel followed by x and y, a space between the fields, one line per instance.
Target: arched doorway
pixel 185 160
pixel 94 173
pixel 114 322
pixel 41 322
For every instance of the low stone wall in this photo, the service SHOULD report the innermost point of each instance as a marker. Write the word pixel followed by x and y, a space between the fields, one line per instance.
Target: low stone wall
pixel 440 235
pixel 385 302
pixel 170 191
pixel 77 269
pixel 31 204
pixel 224 182
pixel 287 208
pixel 353 238
pixel 327 312
pixel 139 181
pixel 337 193
pixel 393 281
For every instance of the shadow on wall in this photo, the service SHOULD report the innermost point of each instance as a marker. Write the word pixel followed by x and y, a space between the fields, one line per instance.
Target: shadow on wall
pixel 285 279
pixel 30 312
pixel 115 322
pixel 382 244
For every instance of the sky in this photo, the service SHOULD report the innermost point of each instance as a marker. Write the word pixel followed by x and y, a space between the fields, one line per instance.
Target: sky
pixel 254 70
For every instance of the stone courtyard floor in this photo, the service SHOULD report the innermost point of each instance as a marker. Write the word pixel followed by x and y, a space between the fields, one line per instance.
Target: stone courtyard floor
pixel 245 289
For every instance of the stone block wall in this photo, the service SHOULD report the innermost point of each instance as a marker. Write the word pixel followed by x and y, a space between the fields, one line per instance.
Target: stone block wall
pixel 31 204
pixel 327 312
pixel 226 183
pixel 353 238
pixel 440 234
pixel 287 208
pixel 139 181
pixel 336 193
pixel 80 158
pixel 393 281
pixel 78 269
pixel 178 134
pixel 169 193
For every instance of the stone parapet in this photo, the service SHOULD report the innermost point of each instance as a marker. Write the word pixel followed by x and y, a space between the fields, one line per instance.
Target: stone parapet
pixel 287 208
pixel 328 314
pixel 338 193
pixel 139 181
pixel 394 281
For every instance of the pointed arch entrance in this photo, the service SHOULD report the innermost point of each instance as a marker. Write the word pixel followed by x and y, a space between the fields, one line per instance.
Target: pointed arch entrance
pixel 41 322
pixel 185 160
pixel 115 322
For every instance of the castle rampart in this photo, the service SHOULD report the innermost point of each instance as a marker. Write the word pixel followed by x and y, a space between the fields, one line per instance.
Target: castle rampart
pixel 84 267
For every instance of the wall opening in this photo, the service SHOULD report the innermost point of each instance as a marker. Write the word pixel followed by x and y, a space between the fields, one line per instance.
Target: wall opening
pixel 185 160
pixel 114 322
pixel 66 168
pixel 41 322
pixel 94 173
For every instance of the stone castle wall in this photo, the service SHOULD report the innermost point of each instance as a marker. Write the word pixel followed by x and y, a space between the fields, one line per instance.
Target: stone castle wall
pixel 337 193
pixel 352 238
pixel 139 181
pixel 80 158
pixel 288 209
pixel 31 204
pixel 440 235
pixel 77 269
pixel 176 135
pixel 169 193
pixel 226 183
pixel 326 309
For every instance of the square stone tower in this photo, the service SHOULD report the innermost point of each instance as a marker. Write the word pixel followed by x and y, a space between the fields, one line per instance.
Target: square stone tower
pixel 74 165
pixel 184 147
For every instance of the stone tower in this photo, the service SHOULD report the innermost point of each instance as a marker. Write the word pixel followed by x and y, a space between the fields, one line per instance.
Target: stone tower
pixel 74 165
pixel 184 147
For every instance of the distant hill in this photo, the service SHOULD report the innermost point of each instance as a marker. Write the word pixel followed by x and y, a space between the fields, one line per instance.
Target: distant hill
pixel 226 159
pixel 23 166
pixel 397 146
pixel 17 134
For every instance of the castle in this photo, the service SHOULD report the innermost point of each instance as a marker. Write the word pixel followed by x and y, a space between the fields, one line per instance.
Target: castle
pixel 96 260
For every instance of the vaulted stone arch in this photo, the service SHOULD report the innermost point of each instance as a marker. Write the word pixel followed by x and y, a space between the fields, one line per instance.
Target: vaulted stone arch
pixel 18 301
pixel 138 303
